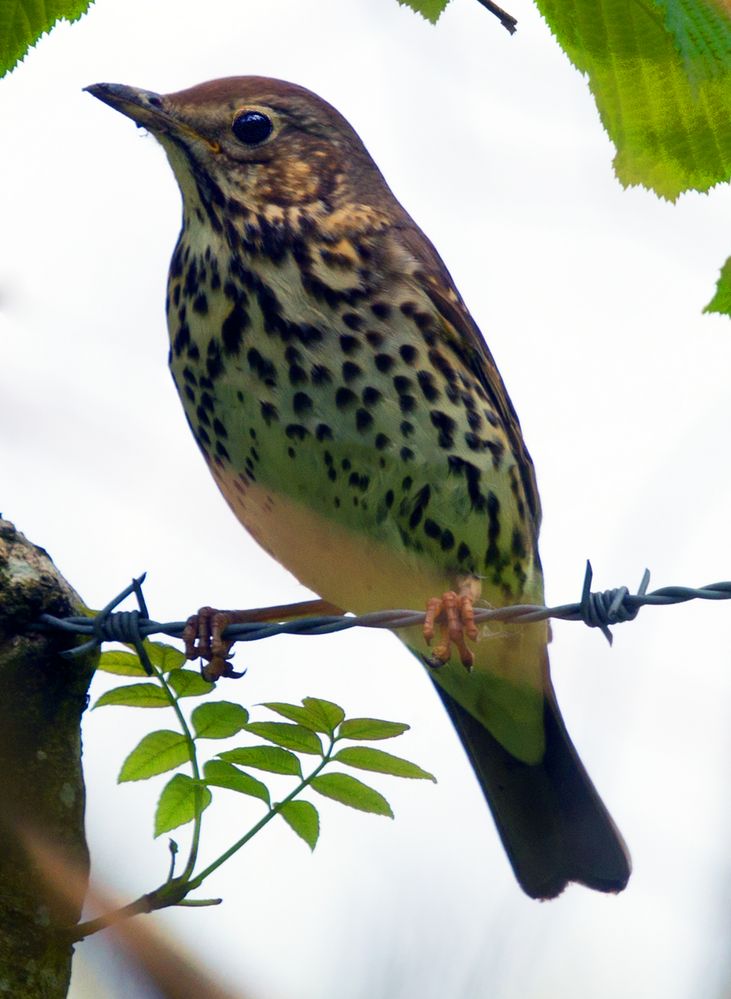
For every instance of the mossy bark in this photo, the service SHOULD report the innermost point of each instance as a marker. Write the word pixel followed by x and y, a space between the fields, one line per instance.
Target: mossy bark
pixel 43 855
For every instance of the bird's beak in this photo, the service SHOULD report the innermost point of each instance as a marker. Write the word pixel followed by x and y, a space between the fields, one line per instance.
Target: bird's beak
pixel 143 106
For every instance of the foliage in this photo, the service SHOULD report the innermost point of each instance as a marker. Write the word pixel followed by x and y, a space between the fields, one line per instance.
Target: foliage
pixel 316 730
pixel 22 22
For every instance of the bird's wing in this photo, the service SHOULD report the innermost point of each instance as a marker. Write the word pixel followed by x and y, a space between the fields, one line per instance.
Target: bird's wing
pixel 461 333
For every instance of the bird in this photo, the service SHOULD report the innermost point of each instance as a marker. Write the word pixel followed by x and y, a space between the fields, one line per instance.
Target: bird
pixel 353 417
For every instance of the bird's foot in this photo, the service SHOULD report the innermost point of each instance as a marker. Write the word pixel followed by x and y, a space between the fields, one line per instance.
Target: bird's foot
pixel 455 615
pixel 203 632
pixel 203 638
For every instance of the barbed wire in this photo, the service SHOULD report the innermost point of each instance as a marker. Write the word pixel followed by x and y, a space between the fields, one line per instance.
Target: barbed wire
pixel 596 609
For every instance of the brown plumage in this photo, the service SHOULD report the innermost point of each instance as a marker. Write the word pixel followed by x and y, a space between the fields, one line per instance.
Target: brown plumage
pixel 354 419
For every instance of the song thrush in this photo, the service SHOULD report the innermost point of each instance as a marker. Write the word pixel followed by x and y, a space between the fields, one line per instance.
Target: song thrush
pixel 355 421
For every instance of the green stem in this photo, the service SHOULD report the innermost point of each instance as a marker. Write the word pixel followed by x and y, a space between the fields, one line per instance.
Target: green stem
pixel 192 752
pixel 199 878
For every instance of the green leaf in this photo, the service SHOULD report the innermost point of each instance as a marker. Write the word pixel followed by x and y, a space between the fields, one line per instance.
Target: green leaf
pixel 156 753
pixel 365 758
pixel 366 729
pixel 303 818
pixel 327 714
pixel 22 22
pixel 221 774
pixel 218 719
pixel 349 791
pixel 429 9
pixel 182 800
pixel 121 663
pixel 721 301
pixel 135 695
pixel 295 737
pixel 295 713
pixel 270 758
pixel 165 657
pixel 660 73
pixel 189 683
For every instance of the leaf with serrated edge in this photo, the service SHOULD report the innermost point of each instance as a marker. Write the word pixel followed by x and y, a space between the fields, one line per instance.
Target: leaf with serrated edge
pixel 155 754
pixel 295 737
pixel 303 818
pixel 222 774
pixel 273 759
pixel 328 714
pixel 188 683
pixel 367 758
pixel 218 719
pixel 349 791
pixel 182 799
pixel 121 663
pixel 135 695
pixel 22 23
pixel 296 713
pixel 367 729
pixel 431 10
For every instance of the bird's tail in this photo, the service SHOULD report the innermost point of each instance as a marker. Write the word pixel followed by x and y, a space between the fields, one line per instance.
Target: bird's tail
pixel 553 824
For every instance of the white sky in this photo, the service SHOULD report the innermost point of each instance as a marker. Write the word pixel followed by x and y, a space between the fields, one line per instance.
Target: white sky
pixel 590 298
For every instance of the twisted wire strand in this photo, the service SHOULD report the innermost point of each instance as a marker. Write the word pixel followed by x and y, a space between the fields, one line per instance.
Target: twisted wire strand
pixel 597 610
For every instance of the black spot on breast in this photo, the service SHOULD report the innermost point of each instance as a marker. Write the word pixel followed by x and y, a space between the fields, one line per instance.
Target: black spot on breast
pixel 384 362
pixel 406 454
pixel 233 328
pixel 221 450
pixel 301 403
pixel 190 393
pixel 408 308
pixel 352 320
pixel 320 375
pixel 351 371
pixel 407 403
pixel 191 280
pixel 382 442
pixel 200 304
pixel 345 464
pixel 427 386
pixel 407 483
pixel 207 401
pixel 381 310
pixel 419 505
pixel 189 376
pixel 345 398
pixel 214 362
pixel 297 375
pixel 182 339
pixel 407 428
pixel 374 338
pixel 349 344
pixel 323 432
pixel 446 427
pixel 447 542
pixel 431 528
pixel 389 498
pixel 402 384
pixel 371 396
pixel 363 420
pixel 517 544
pixel 262 366
pixel 492 555
pixel 474 420
pixel 295 431
pixel 408 353
pixel 268 412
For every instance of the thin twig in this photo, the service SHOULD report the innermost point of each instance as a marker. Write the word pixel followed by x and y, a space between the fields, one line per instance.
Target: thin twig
pixel 509 22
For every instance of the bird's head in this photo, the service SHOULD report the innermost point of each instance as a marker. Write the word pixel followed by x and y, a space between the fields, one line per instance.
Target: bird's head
pixel 254 141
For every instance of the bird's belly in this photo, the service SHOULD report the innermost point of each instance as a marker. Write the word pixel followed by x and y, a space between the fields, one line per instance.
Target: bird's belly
pixel 356 573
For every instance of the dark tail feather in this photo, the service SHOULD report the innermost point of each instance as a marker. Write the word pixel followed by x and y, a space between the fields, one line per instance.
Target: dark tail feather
pixel 553 824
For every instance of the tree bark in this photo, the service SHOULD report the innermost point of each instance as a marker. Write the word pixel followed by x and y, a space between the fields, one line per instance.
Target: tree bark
pixel 41 782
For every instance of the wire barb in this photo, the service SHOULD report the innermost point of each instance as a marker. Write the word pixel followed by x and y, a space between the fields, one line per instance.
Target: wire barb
pixel 599 610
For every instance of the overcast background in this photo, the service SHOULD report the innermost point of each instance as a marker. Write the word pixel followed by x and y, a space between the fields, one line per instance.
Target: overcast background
pixel 590 298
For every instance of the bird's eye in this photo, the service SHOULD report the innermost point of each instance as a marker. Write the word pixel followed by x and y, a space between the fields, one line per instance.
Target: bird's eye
pixel 252 127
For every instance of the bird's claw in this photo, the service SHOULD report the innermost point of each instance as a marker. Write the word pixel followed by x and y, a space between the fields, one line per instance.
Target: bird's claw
pixel 455 615
pixel 203 639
